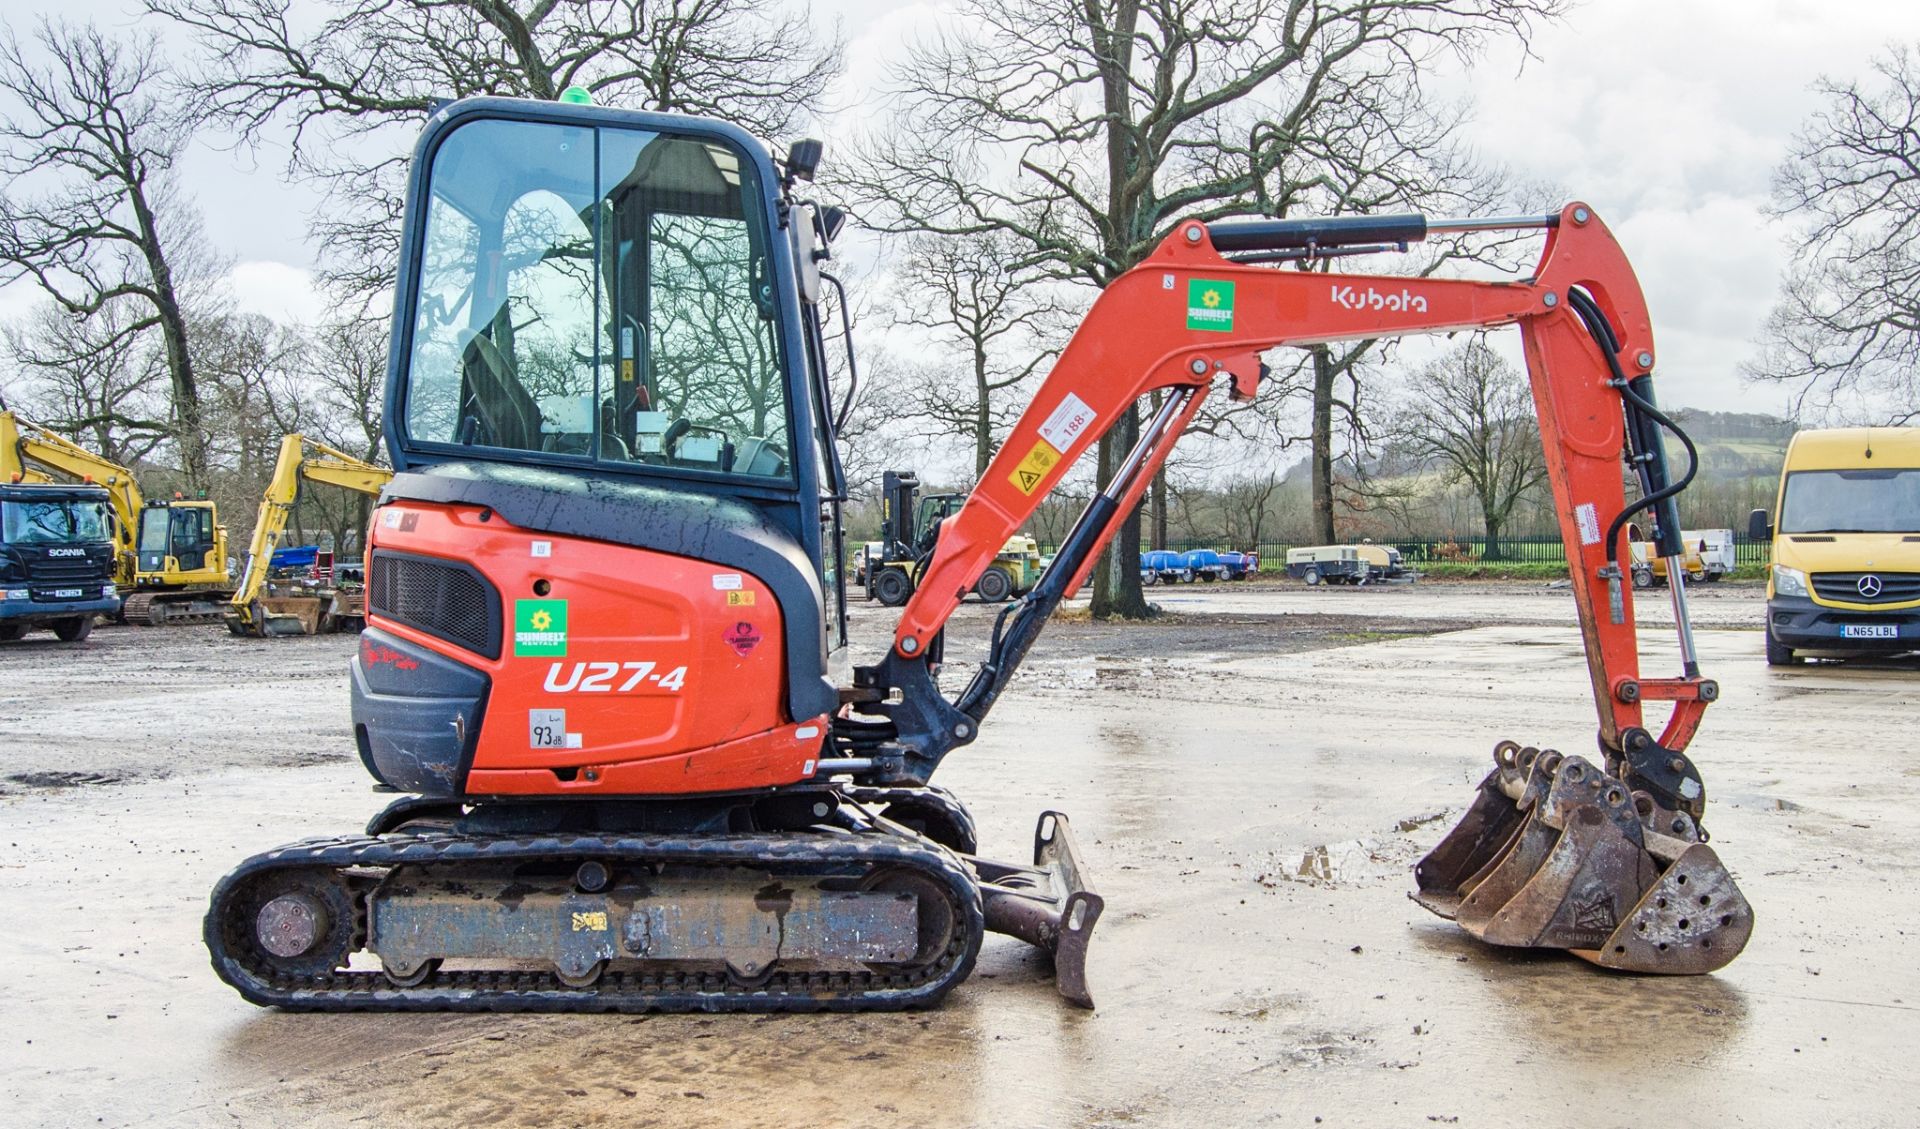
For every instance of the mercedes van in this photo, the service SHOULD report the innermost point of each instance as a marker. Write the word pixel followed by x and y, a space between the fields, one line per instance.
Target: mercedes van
pixel 1845 578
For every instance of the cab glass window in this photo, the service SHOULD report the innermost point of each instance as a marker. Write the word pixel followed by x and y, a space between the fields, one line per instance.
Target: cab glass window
pixel 598 294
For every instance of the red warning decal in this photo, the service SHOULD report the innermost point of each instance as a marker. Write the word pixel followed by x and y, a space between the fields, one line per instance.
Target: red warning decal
pixel 743 637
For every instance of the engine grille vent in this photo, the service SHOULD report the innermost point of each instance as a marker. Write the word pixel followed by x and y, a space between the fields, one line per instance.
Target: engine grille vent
pixel 446 599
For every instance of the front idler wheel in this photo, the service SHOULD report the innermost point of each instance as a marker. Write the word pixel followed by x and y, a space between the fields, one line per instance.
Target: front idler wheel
pixel 303 929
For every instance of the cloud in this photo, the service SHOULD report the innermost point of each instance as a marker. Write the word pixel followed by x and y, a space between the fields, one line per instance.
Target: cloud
pixel 1670 119
pixel 285 293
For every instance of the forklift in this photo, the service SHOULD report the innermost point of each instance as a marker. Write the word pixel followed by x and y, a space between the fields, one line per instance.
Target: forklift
pixel 907 534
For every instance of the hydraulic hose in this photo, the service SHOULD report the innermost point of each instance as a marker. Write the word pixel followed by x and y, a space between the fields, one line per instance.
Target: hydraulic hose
pixel 1590 315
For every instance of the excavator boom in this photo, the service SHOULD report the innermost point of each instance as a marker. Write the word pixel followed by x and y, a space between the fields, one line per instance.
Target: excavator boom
pixel 1200 311
pixel 251 611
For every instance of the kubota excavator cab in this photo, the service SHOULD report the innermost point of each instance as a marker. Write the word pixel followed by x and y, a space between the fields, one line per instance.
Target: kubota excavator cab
pixel 606 361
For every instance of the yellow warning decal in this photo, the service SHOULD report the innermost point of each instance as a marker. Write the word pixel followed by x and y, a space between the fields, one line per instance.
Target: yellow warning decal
pixel 739 599
pixel 1026 477
pixel 595 922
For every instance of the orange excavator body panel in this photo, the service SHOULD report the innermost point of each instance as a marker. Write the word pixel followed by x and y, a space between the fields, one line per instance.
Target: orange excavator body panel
pixel 621 671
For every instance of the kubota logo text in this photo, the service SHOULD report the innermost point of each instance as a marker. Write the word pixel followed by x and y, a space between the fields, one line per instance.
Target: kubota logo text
pixel 1371 299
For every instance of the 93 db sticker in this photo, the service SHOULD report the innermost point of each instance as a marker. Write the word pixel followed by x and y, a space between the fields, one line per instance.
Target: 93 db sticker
pixel 539 627
pixel 1026 477
pixel 547 729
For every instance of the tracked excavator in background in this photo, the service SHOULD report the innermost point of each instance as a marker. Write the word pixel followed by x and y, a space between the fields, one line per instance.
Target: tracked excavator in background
pixel 255 610
pixel 605 602
pixel 170 557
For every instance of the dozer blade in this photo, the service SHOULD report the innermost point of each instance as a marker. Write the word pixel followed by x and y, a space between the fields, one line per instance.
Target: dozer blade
pixel 1579 869
pixel 1048 905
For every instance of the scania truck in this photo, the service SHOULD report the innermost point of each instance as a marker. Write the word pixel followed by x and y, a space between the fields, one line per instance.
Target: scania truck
pixel 56 559
pixel 1845 578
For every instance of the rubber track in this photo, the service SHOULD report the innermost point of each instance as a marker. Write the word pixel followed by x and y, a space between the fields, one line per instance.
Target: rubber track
pixel 227 932
pixel 134 607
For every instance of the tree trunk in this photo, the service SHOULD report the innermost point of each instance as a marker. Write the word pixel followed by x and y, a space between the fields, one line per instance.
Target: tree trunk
pixel 1493 551
pixel 190 431
pixel 982 411
pixel 1322 445
pixel 1120 594
pixel 1116 584
pixel 1160 509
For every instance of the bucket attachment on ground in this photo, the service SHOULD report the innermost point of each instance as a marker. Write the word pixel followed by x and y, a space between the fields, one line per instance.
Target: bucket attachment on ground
pixel 1556 853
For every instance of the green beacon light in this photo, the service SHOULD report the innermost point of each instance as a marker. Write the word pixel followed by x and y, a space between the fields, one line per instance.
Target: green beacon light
pixel 577 96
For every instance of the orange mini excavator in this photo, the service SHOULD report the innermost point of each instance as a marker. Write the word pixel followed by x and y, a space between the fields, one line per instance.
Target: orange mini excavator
pixel 605 593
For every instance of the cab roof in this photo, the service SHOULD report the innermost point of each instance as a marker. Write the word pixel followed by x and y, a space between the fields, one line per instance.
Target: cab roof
pixel 1854 448
pixel 52 492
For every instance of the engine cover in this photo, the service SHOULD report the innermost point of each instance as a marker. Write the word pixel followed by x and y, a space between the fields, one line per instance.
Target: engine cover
pixel 605 669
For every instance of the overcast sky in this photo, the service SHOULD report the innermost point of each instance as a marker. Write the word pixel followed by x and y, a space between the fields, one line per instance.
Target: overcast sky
pixel 1668 116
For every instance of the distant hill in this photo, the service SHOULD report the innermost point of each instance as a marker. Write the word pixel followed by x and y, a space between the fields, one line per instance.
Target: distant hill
pixel 1733 445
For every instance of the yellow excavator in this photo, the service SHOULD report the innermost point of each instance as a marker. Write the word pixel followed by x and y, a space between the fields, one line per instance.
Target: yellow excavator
pixel 259 608
pixel 170 557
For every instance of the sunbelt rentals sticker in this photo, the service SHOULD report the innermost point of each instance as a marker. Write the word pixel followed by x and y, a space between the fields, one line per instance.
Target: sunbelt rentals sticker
pixel 539 627
pixel 1209 304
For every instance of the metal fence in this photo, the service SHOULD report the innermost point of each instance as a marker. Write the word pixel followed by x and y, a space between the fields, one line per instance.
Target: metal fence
pixel 1469 550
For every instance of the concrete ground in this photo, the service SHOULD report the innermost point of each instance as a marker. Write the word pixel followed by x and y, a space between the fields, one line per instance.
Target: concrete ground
pixel 1250 782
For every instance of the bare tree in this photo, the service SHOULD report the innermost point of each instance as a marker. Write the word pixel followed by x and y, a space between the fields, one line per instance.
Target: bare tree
pixel 1472 412
pixel 254 396
pixel 345 362
pixel 1247 501
pixel 89 142
pixel 353 85
pixel 994 325
pixel 1845 336
pixel 90 379
pixel 1083 129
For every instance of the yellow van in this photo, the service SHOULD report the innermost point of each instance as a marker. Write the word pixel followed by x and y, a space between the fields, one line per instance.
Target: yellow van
pixel 1846 548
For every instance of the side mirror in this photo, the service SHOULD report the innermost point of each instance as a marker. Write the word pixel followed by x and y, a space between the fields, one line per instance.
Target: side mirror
pixel 803 228
pixel 833 221
pixel 1758 527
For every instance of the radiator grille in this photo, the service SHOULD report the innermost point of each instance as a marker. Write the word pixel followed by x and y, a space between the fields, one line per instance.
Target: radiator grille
pixel 1846 587
pixel 442 598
